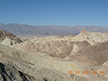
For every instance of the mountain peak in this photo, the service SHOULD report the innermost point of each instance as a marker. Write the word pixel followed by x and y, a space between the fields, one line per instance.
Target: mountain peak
pixel 4 34
pixel 83 31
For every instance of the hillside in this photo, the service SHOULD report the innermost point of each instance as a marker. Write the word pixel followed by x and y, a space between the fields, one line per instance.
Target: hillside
pixel 52 58
pixel 7 38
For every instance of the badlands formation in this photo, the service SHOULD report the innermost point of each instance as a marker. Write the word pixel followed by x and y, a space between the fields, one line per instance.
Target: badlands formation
pixel 83 57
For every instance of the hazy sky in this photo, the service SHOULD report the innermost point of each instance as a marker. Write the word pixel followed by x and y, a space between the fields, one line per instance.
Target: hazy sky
pixel 54 12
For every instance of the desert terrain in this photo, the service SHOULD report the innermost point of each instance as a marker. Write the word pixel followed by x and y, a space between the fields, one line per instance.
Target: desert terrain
pixel 81 57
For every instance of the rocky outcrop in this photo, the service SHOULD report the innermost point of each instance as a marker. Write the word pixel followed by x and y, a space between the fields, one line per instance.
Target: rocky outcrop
pixel 91 37
pixel 5 34
pixel 9 73
pixel 9 39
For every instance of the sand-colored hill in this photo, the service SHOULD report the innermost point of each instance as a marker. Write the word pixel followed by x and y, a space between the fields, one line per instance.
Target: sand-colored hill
pixel 78 48
pixel 51 58
pixel 4 34
pixel 93 55
pixel 31 65
pixel 91 37
pixel 44 69
pixel 54 47
pixel 9 39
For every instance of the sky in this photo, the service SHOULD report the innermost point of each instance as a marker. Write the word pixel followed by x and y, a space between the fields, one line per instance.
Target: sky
pixel 54 12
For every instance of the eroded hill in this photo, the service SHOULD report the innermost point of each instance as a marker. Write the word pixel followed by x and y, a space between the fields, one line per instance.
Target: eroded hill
pixel 9 39
pixel 51 58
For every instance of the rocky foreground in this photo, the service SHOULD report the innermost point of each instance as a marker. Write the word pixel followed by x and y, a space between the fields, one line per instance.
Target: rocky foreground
pixel 55 58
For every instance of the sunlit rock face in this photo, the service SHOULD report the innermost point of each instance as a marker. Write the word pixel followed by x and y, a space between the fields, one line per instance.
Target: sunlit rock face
pixel 9 39
pixel 91 37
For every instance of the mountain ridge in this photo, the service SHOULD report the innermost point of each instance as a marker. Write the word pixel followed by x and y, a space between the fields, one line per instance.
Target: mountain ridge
pixel 24 29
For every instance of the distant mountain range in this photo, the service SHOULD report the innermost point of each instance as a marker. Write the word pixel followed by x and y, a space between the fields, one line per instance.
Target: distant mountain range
pixel 24 29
